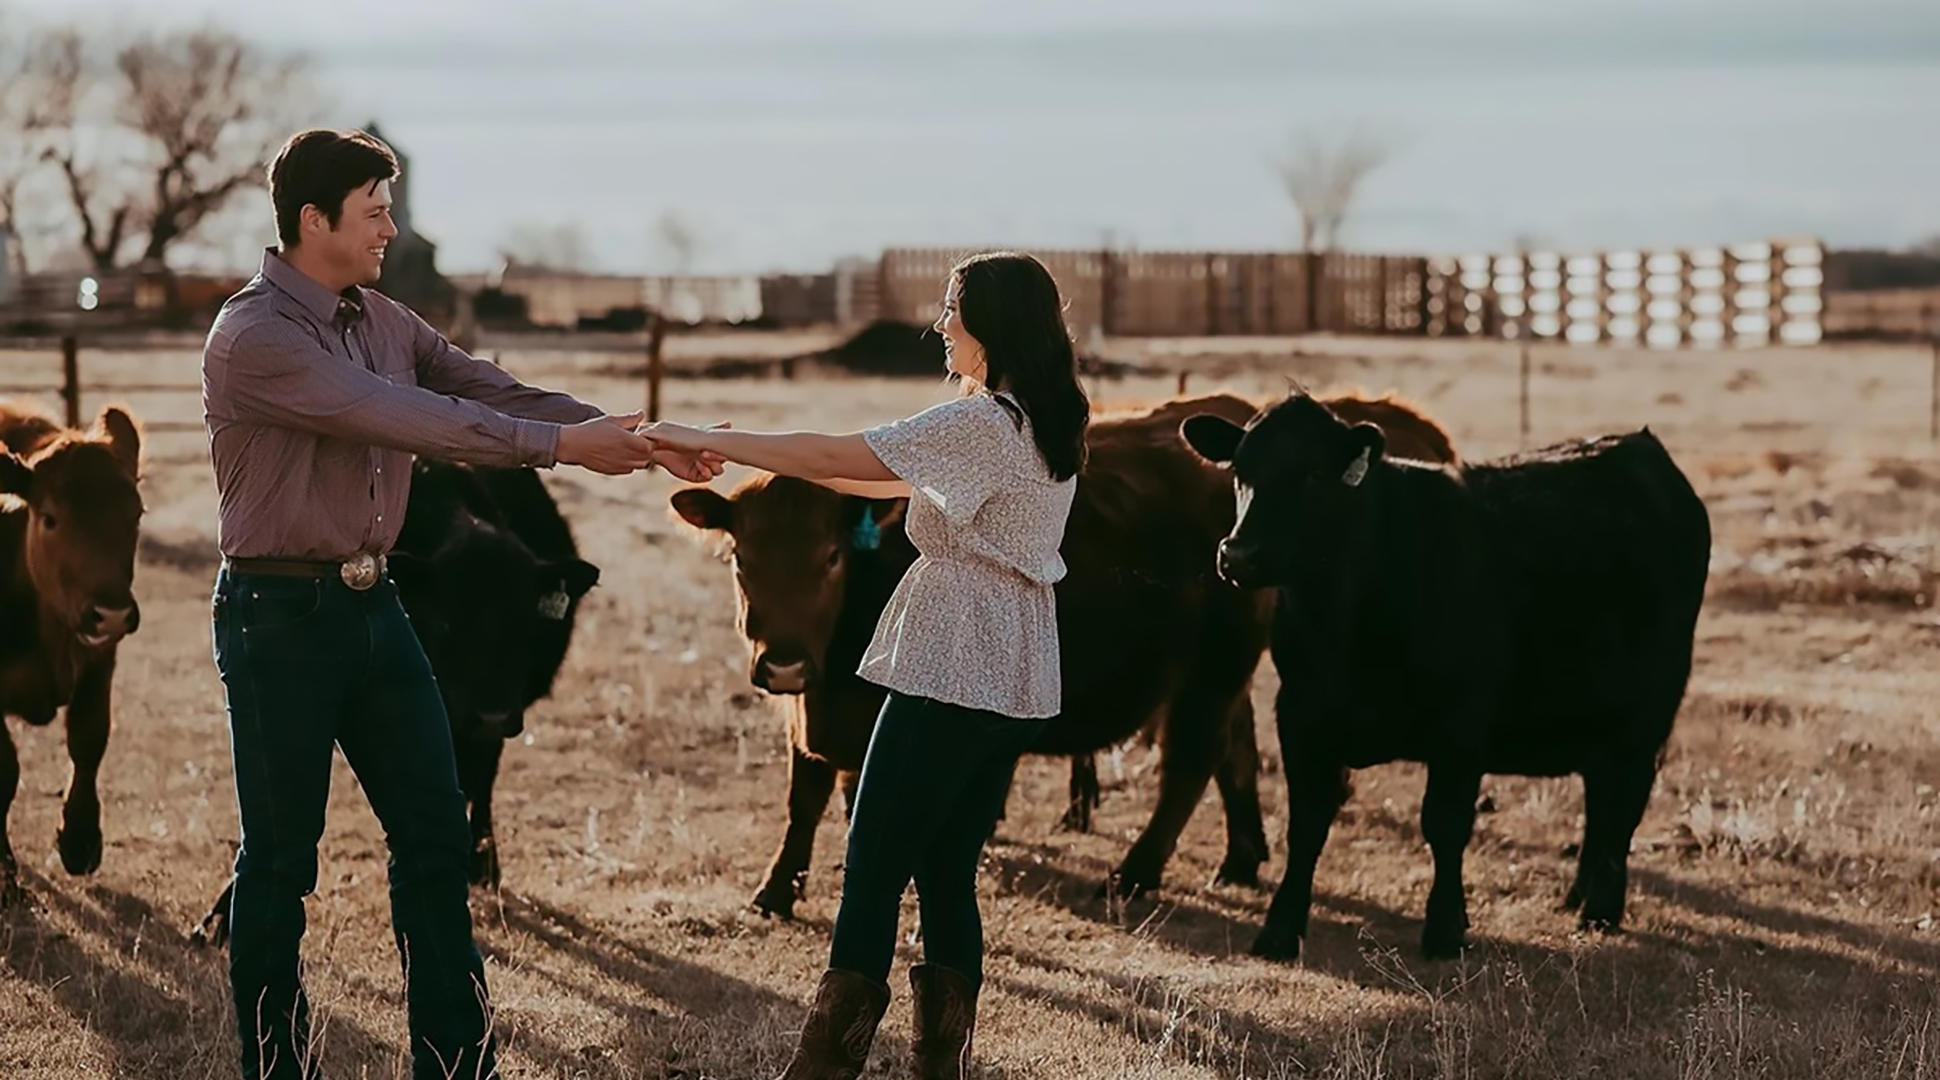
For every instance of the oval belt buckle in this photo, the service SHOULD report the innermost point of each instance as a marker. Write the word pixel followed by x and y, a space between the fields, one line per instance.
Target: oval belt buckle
pixel 360 570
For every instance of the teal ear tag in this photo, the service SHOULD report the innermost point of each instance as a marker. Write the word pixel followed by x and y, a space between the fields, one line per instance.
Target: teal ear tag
pixel 866 537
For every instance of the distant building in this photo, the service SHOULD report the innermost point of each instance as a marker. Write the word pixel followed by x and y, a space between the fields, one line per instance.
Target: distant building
pixel 569 299
pixel 410 274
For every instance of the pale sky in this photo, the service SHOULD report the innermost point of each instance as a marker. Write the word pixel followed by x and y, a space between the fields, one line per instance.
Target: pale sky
pixel 792 132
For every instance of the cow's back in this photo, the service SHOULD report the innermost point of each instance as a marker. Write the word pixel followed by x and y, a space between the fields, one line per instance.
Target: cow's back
pixel 531 513
pixel 1600 550
pixel 513 499
pixel 25 429
pixel 1141 607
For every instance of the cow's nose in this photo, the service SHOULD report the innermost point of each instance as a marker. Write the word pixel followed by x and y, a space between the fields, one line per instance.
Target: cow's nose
pixel 1236 563
pixel 782 671
pixel 787 678
pixel 103 622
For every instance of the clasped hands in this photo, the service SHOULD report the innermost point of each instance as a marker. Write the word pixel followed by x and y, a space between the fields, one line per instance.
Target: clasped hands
pixel 611 445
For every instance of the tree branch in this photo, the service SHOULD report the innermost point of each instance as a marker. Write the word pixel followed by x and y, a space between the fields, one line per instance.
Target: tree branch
pixel 1322 181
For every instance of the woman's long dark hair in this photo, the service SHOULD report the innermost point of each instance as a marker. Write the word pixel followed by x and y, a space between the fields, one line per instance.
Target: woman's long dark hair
pixel 1009 302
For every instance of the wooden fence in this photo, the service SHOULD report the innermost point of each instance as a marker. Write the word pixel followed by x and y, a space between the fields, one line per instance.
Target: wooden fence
pixel 1751 294
pixel 71 388
pixel 1746 296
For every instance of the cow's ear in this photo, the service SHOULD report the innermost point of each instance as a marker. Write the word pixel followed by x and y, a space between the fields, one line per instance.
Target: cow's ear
pixel 703 508
pixel 577 576
pixel 123 435
pixel 410 571
pixel 1366 441
pixel 15 477
pixel 889 512
pixel 868 518
pixel 1211 437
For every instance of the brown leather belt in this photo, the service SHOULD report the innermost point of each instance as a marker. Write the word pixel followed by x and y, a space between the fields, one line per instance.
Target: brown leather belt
pixel 360 571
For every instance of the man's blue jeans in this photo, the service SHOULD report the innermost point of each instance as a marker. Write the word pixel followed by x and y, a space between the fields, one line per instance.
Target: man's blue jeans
pixel 309 663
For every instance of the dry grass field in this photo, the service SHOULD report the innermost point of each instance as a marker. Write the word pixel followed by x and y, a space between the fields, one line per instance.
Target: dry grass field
pixel 1785 905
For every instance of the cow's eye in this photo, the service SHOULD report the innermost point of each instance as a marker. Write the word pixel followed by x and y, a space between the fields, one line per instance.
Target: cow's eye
pixel 835 558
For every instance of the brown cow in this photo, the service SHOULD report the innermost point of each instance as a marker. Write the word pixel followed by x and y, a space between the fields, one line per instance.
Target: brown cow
pixel 1150 636
pixel 67 550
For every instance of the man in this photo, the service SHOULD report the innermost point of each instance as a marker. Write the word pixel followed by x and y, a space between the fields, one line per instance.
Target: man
pixel 316 394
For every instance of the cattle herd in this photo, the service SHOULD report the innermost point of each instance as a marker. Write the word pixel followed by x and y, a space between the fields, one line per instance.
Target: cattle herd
pixel 1527 615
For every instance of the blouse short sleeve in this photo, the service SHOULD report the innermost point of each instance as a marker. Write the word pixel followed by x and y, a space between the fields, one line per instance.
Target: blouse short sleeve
pixel 945 453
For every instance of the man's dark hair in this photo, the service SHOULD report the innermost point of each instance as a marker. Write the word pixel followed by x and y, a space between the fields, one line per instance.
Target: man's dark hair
pixel 319 167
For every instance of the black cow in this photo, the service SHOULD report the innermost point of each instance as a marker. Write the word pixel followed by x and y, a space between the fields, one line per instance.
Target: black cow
pixel 1532 615
pixel 489 574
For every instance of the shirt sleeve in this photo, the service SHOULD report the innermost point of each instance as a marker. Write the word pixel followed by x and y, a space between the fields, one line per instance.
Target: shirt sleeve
pixel 950 454
pixel 276 373
pixel 448 369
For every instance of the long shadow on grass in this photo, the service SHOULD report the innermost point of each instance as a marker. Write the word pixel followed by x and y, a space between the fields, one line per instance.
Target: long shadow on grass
pixel 1192 1028
pixel 1634 1005
pixel 1838 1002
pixel 710 996
pixel 1218 922
pixel 1704 899
pixel 123 975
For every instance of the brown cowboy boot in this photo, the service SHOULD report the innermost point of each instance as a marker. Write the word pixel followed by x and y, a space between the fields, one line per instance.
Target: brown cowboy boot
pixel 840 1026
pixel 945 1007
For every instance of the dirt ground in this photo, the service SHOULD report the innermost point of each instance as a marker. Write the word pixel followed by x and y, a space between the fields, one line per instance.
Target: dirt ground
pixel 1785 905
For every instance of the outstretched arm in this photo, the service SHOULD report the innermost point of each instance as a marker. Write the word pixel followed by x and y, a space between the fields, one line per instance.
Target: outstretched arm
pixel 448 369
pixel 291 381
pixel 810 455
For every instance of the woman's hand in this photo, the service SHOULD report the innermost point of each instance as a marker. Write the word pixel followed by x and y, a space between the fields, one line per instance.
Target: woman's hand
pixel 691 467
pixel 674 436
pixel 678 449
pixel 809 455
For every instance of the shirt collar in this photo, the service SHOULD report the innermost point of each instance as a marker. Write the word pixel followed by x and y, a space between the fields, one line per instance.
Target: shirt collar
pixel 344 308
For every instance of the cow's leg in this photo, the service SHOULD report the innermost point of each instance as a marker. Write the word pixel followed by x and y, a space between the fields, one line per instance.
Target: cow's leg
pixel 79 838
pixel 1238 777
pixel 1615 798
pixel 1315 792
pixel 1085 794
pixel 478 758
pixel 1447 823
pixel 1190 745
pixel 845 782
pixel 10 892
pixel 1594 785
pixel 214 928
pixel 1010 781
pixel 810 782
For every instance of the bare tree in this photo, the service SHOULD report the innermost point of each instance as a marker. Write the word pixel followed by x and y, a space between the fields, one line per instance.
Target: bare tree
pixel 154 141
pixel 1322 180
pixel 559 245
pixel 21 138
pixel 678 237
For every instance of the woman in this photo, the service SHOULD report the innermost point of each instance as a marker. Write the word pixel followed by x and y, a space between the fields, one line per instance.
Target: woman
pixel 967 646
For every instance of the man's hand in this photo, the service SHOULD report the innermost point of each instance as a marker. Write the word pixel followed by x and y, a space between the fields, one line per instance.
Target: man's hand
pixel 603 446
